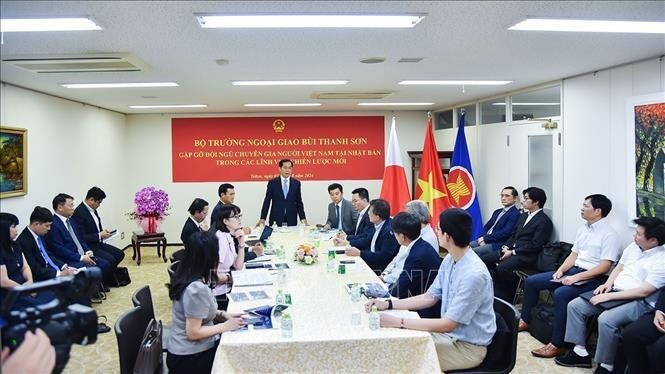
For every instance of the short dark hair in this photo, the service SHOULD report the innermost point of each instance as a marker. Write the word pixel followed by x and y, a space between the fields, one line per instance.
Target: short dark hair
pixel 284 161
pixel 226 211
pixel 9 217
pixel 197 206
pixel 653 228
pixel 601 202
pixel 362 193
pixel 60 199
pixel 96 193
pixel 41 215
pixel 513 190
pixel 335 186
pixel 407 224
pixel 456 222
pixel 223 188
pixel 536 194
pixel 7 220
pixel 380 208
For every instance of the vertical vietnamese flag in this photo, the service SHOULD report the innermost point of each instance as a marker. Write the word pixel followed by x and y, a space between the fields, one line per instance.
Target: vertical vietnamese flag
pixel 431 188
pixel 394 188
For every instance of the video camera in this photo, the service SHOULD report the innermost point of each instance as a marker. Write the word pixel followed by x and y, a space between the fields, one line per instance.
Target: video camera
pixel 64 321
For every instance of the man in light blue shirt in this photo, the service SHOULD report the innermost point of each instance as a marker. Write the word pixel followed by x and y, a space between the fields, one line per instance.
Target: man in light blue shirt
pixel 464 286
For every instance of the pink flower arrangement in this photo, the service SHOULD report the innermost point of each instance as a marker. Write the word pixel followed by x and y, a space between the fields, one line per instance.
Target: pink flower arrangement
pixel 150 202
pixel 306 253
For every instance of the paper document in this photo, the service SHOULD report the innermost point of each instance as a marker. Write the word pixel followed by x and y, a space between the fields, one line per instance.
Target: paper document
pixel 115 234
pixel 401 313
pixel 254 277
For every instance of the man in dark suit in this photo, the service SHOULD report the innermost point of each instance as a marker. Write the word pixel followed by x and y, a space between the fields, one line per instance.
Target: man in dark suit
pixel 90 227
pixel 285 195
pixel 500 226
pixel 198 211
pixel 521 250
pixel 66 243
pixel 341 214
pixel 227 194
pixel 382 246
pixel 42 263
pixel 421 264
pixel 364 230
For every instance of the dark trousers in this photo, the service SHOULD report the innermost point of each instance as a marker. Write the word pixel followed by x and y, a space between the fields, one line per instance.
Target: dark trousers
pixel 562 295
pixel 505 281
pixel 640 338
pixel 197 363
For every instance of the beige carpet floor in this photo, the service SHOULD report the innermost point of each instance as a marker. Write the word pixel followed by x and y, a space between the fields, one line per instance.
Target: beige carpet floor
pixel 102 356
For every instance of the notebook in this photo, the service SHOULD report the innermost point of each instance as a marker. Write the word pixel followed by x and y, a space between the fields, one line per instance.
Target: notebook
pixel 608 304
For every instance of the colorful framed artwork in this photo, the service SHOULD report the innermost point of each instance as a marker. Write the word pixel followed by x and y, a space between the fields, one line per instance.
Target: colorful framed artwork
pixel 13 162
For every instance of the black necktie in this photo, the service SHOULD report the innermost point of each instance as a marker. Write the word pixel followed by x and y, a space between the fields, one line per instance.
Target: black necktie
pixel 337 217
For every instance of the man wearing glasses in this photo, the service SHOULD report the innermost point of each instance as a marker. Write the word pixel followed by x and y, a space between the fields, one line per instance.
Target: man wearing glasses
pixel 532 232
pixel 500 226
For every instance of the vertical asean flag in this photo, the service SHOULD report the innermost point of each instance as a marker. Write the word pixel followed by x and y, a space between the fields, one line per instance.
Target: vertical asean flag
pixel 431 188
pixel 461 185
pixel 394 188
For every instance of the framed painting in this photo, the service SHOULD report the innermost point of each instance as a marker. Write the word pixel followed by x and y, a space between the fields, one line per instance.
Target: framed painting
pixel 646 187
pixel 13 162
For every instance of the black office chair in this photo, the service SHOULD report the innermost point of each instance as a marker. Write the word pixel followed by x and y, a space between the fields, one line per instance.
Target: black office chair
pixel 502 352
pixel 142 297
pixel 177 255
pixel 129 330
pixel 172 268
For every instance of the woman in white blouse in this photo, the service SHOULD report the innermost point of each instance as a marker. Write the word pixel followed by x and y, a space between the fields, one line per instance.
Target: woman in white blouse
pixel 231 239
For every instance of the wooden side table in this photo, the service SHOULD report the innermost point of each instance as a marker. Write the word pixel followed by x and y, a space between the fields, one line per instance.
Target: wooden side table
pixel 139 237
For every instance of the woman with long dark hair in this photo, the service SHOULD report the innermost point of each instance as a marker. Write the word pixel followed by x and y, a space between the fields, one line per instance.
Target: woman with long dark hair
pixel 231 240
pixel 194 336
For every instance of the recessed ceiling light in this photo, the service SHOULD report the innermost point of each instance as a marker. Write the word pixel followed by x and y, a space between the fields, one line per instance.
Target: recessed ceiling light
pixel 168 106
pixel 47 24
pixel 373 60
pixel 454 83
pixel 119 85
pixel 289 83
pixel 309 20
pixel 282 105
pixel 529 104
pixel 581 25
pixel 391 104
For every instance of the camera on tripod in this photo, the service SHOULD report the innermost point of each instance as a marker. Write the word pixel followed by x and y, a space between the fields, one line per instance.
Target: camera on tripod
pixel 64 321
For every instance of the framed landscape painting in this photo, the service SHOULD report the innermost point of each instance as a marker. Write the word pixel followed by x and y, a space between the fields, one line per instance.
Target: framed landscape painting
pixel 13 162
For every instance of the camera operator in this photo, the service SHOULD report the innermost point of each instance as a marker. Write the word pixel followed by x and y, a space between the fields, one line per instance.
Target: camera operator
pixel 35 355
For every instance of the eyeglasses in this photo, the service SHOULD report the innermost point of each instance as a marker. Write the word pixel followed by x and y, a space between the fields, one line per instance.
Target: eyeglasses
pixel 239 217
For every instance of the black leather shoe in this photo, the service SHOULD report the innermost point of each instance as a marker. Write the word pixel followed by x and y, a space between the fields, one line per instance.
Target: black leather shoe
pixel 572 359
pixel 102 328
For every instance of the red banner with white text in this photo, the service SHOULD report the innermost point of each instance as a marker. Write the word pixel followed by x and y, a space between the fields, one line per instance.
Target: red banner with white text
pixel 238 149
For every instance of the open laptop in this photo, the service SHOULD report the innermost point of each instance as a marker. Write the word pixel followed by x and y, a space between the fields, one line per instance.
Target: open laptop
pixel 608 304
pixel 265 234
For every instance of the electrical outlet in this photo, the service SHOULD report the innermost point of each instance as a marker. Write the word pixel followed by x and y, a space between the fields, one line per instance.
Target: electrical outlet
pixel 122 235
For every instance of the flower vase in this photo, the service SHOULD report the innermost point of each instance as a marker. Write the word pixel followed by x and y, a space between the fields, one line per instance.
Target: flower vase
pixel 149 224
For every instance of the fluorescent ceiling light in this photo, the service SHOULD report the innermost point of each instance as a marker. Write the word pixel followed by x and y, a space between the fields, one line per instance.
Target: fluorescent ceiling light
pixel 119 85
pixel 168 106
pixel 47 24
pixel 309 20
pixel 580 25
pixel 529 104
pixel 289 83
pixel 278 105
pixel 390 104
pixel 454 83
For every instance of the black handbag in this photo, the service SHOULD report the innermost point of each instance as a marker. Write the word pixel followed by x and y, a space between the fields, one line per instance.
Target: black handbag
pixel 120 277
pixel 149 356
pixel 552 256
pixel 542 320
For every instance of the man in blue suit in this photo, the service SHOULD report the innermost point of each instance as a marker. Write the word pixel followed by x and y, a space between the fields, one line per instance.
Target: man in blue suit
pixel 502 224
pixel 284 194
pixel 364 229
pixel 65 242
pixel 382 246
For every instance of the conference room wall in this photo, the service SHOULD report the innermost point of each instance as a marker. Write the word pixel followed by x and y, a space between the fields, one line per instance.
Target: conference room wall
pixel 71 147
pixel 148 146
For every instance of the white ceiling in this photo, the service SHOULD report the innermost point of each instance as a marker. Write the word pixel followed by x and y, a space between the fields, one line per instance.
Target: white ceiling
pixel 457 39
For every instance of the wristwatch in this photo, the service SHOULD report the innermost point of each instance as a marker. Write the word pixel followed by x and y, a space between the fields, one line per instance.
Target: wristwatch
pixel 390 303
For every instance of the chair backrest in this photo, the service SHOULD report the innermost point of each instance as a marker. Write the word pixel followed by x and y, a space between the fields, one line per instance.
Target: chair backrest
pixel 143 298
pixel 177 255
pixel 172 267
pixel 129 330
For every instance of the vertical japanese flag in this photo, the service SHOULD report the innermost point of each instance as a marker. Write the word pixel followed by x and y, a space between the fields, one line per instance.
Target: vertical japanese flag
pixel 394 189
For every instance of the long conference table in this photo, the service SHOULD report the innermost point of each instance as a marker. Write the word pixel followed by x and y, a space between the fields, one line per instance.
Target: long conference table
pixel 324 339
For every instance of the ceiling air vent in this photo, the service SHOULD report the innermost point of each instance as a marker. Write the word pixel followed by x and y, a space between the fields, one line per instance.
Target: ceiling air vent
pixel 363 95
pixel 103 62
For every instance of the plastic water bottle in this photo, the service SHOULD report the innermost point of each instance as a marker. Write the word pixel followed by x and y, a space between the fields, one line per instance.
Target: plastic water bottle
pixel 281 277
pixel 374 319
pixel 282 252
pixel 287 325
pixel 279 299
pixel 355 293
pixel 331 266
